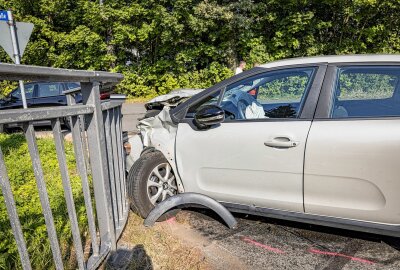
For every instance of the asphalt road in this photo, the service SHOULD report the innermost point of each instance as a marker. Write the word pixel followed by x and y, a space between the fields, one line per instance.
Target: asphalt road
pixel 261 243
pixel 131 112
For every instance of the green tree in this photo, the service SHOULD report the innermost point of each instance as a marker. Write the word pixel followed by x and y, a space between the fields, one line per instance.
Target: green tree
pixel 161 45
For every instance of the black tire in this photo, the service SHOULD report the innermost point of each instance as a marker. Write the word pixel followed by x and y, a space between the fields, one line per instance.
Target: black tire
pixel 137 184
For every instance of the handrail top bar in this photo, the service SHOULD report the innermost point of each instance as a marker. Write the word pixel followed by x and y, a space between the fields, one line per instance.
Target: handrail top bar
pixel 37 73
pixel 45 113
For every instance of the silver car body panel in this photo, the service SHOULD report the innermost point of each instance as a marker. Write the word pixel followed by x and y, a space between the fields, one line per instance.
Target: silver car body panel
pixel 351 170
pixel 231 163
pixel 136 150
pixel 359 58
pixel 173 98
pixel 159 132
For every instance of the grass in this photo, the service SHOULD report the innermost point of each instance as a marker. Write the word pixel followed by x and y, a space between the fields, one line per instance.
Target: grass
pixel 153 248
pixel 20 172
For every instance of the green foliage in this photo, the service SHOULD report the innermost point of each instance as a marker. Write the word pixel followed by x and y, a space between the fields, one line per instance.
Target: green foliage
pixel 287 88
pixel 366 86
pixel 6 87
pixel 162 45
pixel 149 85
pixel 25 192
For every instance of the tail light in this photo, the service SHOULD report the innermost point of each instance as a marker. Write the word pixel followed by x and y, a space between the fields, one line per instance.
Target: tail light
pixel 104 95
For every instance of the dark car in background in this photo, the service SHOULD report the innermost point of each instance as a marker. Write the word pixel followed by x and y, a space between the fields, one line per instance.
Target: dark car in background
pixel 42 94
pixel 39 94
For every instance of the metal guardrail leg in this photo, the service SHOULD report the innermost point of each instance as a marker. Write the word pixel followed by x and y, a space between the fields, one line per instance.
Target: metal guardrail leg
pixel 121 159
pixel 13 215
pixel 115 159
pixel 81 163
pixel 62 162
pixel 44 199
pixel 99 165
pixel 107 126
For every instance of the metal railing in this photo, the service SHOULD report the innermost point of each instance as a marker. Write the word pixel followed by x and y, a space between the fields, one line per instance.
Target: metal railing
pixel 97 140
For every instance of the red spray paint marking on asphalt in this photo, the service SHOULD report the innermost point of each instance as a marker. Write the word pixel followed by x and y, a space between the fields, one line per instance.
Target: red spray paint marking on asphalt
pixel 251 241
pixel 316 251
pixel 171 220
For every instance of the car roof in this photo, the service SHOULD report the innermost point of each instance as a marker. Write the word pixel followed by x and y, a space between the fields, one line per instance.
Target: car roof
pixel 357 58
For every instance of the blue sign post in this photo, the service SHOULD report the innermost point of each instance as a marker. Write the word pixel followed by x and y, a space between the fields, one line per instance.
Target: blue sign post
pixel 3 15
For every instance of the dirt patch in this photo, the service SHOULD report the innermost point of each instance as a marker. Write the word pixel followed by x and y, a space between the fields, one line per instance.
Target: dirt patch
pixel 155 248
pixel 217 256
pixel 172 244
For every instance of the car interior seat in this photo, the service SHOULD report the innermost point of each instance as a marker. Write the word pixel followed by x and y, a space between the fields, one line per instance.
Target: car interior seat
pixel 338 110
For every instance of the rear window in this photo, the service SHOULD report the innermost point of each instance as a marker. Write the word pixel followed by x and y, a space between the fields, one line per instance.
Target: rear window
pixel 49 89
pixel 73 85
pixel 369 91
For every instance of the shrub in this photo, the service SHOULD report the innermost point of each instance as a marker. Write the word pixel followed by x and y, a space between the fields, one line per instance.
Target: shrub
pixel 150 84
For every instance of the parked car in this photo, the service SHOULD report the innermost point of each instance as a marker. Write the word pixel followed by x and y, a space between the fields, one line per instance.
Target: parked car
pixel 42 94
pixel 314 140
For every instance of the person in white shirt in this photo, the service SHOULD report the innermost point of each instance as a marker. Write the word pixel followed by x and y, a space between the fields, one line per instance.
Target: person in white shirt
pixel 239 69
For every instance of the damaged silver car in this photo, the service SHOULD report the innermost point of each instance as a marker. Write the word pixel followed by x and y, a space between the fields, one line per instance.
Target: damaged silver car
pixel 313 140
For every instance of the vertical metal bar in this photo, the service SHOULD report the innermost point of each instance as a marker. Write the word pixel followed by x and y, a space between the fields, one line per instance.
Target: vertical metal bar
pixel 120 158
pixel 71 101
pixel 84 141
pixel 115 159
pixel 13 215
pixel 99 166
pixel 17 55
pixel 107 128
pixel 62 162
pixel 44 199
pixel 126 205
pixel 81 165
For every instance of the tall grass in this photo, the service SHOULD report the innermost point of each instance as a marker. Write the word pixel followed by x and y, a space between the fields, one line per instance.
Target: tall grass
pixel 24 188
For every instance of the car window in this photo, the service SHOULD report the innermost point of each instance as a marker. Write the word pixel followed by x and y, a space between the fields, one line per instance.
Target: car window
pixel 211 99
pixel 366 91
pixel 49 89
pixel 73 85
pixel 16 94
pixel 275 94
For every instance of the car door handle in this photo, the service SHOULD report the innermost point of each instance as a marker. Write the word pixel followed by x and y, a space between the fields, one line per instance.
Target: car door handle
pixel 281 142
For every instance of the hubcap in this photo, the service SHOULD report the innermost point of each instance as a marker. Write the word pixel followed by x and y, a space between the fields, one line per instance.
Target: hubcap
pixel 161 183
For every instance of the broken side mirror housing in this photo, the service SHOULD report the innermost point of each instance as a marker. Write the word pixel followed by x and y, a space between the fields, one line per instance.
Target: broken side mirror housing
pixel 209 115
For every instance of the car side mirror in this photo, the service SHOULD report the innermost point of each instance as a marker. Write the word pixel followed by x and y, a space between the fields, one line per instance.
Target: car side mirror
pixel 209 115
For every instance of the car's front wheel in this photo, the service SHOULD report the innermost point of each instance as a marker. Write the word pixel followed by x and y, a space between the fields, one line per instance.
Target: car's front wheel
pixel 151 180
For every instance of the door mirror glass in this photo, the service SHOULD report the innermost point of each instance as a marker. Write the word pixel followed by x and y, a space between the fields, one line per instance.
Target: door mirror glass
pixel 209 115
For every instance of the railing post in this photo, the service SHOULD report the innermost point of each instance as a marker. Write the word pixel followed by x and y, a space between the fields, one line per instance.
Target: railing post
pixel 99 164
